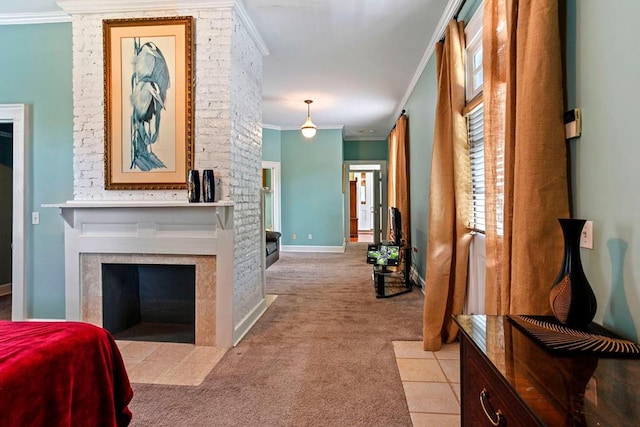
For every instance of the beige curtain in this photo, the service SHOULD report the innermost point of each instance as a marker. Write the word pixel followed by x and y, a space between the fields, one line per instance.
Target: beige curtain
pixel 448 235
pixel 398 175
pixel 523 100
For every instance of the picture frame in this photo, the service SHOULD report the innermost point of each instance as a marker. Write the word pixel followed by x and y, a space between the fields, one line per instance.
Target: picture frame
pixel 148 97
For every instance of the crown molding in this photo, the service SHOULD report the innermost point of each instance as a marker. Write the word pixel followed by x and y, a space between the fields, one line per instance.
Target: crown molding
pixel 73 7
pixel 449 12
pixel 34 18
pixel 251 27
pixel 364 138
pixel 272 127
pixel 326 127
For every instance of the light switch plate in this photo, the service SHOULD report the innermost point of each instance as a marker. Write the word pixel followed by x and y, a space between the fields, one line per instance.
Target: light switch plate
pixel 586 238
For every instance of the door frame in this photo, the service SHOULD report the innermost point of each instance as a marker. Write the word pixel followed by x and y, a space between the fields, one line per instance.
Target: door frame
pixel 18 114
pixel 383 174
pixel 275 192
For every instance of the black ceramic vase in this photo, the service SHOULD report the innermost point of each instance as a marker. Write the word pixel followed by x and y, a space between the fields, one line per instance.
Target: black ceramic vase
pixel 208 186
pixel 572 300
pixel 193 186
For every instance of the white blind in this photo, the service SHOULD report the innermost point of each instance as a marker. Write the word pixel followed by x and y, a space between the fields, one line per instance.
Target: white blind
pixel 475 127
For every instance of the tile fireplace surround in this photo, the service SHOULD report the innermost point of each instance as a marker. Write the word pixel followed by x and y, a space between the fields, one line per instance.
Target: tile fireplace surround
pixel 165 232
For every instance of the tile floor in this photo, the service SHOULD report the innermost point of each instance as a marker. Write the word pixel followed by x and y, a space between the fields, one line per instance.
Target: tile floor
pixel 170 363
pixel 431 382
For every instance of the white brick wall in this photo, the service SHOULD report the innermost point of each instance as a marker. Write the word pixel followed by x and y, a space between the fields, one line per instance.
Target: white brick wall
pixel 245 177
pixel 227 138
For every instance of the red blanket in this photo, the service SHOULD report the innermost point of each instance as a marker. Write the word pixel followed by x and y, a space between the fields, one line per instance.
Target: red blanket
pixel 61 374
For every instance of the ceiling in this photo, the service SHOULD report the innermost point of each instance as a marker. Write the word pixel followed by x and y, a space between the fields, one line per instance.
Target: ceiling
pixel 356 59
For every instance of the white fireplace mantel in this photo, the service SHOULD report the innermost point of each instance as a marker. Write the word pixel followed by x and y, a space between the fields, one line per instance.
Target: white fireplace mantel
pixel 151 227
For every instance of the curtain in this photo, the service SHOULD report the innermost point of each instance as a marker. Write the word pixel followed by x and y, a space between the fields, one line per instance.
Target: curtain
pixel 524 131
pixel 398 171
pixel 448 236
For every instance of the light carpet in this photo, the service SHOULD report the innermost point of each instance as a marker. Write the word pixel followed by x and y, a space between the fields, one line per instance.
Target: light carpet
pixel 321 355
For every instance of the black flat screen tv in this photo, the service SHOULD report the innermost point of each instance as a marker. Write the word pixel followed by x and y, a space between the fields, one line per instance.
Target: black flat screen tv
pixel 395 225
pixel 383 255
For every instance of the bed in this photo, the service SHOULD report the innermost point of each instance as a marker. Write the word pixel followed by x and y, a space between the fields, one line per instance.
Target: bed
pixel 61 374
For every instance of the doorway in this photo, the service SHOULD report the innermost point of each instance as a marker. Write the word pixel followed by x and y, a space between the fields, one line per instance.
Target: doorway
pixel 17 116
pixel 366 200
pixel 6 201
pixel 271 191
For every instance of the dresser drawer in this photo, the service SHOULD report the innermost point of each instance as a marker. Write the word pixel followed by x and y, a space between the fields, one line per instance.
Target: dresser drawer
pixel 486 400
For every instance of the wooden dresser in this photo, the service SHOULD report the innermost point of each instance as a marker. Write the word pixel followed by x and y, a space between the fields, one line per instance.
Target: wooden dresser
pixel 509 380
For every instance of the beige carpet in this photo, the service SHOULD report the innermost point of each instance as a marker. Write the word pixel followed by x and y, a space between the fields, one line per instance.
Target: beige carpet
pixel 321 355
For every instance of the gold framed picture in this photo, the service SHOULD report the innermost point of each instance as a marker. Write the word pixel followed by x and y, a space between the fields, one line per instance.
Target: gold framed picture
pixel 148 96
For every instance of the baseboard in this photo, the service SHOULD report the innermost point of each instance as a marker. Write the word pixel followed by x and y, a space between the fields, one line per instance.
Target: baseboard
pixel 5 289
pixel 414 276
pixel 249 320
pixel 300 248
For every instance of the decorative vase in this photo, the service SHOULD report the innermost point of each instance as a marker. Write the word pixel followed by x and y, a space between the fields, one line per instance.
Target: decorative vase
pixel 208 186
pixel 572 300
pixel 193 186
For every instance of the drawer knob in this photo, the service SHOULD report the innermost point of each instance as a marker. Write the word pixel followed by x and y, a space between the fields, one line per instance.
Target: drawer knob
pixel 484 402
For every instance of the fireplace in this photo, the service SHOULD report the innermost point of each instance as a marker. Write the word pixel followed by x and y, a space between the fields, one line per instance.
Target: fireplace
pixel 149 302
pixel 156 235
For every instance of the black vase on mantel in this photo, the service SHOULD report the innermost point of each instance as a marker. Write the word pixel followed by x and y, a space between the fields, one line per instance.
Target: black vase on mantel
pixel 572 300
pixel 193 186
pixel 208 186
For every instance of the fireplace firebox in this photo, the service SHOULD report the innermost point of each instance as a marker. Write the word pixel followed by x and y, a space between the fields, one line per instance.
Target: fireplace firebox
pixel 149 302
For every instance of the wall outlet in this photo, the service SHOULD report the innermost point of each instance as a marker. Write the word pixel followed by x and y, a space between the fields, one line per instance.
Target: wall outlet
pixel 35 217
pixel 310 236
pixel 586 238
pixel 294 236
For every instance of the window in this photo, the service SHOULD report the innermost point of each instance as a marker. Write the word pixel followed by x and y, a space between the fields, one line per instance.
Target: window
pixel 473 38
pixel 474 113
pixel 475 119
pixel 475 127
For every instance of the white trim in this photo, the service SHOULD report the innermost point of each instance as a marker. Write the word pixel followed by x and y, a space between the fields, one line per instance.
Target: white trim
pixel 18 114
pixel 415 277
pixel 33 18
pixel 364 138
pixel 325 127
pixel 74 7
pixel 473 40
pixel 251 27
pixel 276 191
pixel 449 12
pixel 320 249
pixel 249 320
pixel 272 127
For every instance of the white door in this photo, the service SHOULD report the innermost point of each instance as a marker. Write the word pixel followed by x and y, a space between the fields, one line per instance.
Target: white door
pixel 365 201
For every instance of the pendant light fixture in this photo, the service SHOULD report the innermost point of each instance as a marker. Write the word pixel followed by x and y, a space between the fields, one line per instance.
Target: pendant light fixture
pixel 308 128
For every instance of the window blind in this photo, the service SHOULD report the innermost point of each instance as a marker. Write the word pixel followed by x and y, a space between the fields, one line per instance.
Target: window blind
pixel 475 127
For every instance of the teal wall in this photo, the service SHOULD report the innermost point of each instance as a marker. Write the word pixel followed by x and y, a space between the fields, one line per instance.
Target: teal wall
pixel 271 145
pixel 606 156
pixel 366 150
pixel 36 70
pixel 312 198
pixel 420 109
